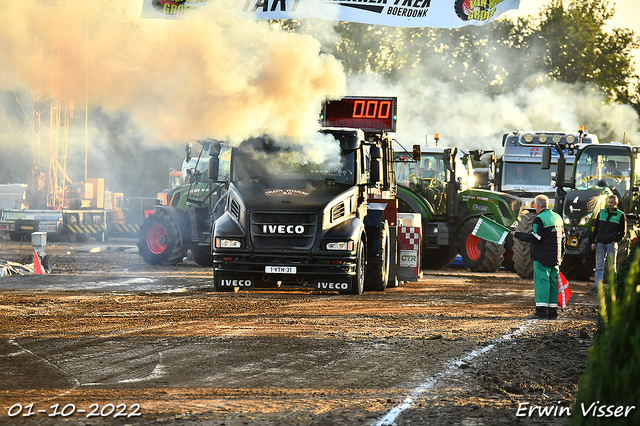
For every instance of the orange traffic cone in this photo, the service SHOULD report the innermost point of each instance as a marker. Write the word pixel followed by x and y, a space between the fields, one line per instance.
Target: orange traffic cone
pixel 37 267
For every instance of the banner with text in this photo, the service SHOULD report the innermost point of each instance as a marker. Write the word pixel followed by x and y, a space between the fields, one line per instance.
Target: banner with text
pixel 393 13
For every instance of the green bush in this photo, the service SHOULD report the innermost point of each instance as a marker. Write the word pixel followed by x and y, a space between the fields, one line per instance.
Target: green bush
pixel 613 366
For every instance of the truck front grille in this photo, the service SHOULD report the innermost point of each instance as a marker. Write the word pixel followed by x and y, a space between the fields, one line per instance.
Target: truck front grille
pixel 281 230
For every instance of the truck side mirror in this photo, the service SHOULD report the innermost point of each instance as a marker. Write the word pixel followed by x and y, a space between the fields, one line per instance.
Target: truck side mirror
pixel 416 152
pixel 448 160
pixel 546 158
pixel 560 175
pixel 214 149
pixel 214 164
pixel 376 152
pixel 374 175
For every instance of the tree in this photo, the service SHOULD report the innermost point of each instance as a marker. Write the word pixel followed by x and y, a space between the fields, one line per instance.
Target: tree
pixel 580 50
pixel 567 41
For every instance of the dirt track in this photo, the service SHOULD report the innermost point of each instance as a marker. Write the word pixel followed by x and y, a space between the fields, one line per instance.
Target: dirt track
pixel 454 346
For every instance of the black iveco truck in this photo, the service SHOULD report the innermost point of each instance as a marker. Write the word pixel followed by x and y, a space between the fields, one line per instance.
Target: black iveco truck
pixel 329 225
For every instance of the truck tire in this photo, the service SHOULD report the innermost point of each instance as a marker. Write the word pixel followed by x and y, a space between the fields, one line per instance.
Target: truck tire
pixel 202 255
pixel 479 255
pixel 159 240
pixel 377 276
pixel 361 266
pixel 522 261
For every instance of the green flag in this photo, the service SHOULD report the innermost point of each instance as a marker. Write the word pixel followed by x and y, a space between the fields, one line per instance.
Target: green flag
pixel 490 230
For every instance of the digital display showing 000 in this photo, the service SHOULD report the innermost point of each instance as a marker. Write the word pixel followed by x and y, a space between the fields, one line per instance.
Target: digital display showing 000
pixel 366 112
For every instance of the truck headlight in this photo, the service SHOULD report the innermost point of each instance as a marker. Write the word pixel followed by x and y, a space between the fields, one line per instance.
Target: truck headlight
pixel 228 243
pixel 567 221
pixel 340 245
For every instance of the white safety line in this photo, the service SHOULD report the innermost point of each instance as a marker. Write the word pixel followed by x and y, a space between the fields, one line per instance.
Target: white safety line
pixel 392 415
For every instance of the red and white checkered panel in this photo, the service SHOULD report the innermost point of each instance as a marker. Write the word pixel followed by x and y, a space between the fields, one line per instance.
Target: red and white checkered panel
pixel 409 238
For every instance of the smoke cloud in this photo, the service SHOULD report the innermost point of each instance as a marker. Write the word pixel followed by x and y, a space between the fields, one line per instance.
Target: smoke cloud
pixel 474 120
pixel 208 75
pixel 189 78
pixel 154 83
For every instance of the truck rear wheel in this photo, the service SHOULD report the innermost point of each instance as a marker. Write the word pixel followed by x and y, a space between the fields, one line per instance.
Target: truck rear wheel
pixel 159 240
pixel 522 261
pixel 479 255
pixel 377 276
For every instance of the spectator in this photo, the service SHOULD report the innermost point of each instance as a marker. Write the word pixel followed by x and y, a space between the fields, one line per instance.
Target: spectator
pixel 547 238
pixel 610 228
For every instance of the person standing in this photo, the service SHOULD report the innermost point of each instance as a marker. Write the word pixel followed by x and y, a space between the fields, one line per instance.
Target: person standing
pixel 609 229
pixel 547 239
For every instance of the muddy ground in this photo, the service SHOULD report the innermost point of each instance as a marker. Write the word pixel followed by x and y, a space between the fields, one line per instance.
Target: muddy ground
pixel 87 345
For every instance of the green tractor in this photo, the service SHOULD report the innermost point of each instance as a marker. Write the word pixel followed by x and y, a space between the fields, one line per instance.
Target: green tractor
pixel 598 172
pixel 438 183
pixel 183 225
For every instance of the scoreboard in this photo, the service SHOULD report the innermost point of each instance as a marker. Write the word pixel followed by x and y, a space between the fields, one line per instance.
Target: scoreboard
pixel 369 113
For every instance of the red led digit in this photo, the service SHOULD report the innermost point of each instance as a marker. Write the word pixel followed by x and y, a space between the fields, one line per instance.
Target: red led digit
pixel 386 106
pixel 372 109
pixel 358 109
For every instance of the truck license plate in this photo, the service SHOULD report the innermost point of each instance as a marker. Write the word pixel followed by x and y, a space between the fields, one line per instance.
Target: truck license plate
pixel 280 269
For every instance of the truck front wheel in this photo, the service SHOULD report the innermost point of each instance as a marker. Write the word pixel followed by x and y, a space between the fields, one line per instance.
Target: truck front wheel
pixel 159 240
pixel 357 286
pixel 377 275
pixel 479 255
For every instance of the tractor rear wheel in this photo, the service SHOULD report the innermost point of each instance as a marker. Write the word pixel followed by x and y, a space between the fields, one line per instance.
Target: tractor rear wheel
pixel 159 240
pixel 479 255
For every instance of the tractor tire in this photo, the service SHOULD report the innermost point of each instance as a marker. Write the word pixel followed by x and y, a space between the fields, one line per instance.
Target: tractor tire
pixel 202 255
pixel 508 262
pixel 377 276
pixel 578 268
pixel 522 261
pixel 479 255
pixel 159 240
pixel 436 258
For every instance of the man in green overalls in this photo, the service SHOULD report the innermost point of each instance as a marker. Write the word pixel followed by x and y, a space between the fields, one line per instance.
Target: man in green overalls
pixel 547 240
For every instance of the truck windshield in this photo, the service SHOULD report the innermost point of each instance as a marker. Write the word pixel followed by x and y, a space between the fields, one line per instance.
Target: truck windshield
pixel 528 177
pixel 251 164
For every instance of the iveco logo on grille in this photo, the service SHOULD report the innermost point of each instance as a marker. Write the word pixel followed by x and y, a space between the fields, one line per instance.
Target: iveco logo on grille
pixel 283 229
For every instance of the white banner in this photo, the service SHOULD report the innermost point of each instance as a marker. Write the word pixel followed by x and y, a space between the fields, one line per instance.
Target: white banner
pixel 393 13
